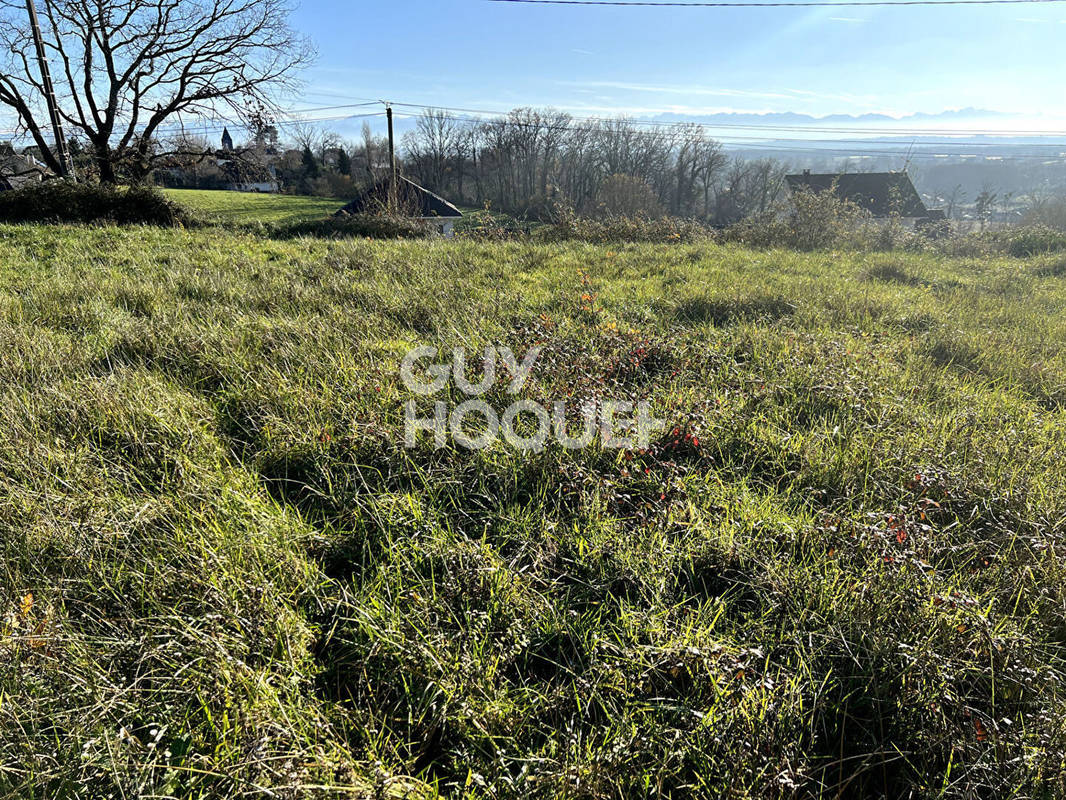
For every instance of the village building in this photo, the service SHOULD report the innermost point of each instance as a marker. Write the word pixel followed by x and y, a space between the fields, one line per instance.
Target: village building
pixel 412 200
pixel 19 169
pixel 881 194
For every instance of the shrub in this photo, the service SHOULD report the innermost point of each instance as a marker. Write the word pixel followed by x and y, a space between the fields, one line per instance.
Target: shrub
pixel 626 195
pixel 61 201
pixel 1033 240
pixel 1048 214
pixel 968 245
pixel 821 219
pixel 815 220
pixel 370 226
pixel 571 227
pixel 486 225
pixel 493 232
pixel 333 184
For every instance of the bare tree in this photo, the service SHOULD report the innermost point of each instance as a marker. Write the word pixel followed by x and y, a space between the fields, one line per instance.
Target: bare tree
pixel 985 203
pixel 627 196
pixel 711 162
pixel 464 147
pixel 305 135
pixel 955 198
pixel 533 159
pixel 431 144
pixel 127 70
pixel 369 154
pixel 748 187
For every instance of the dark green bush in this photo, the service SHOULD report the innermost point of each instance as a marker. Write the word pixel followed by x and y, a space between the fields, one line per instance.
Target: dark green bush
pixel 370 226
pixel 61 201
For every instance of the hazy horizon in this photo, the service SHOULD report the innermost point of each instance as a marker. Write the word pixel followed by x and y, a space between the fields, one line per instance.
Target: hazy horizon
pixel 644 62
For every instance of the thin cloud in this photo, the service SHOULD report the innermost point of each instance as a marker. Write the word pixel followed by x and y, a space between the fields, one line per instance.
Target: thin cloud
pixel 852 99
pixel 685 90
pixel 650 111
pixel 706 91
pixel 847 19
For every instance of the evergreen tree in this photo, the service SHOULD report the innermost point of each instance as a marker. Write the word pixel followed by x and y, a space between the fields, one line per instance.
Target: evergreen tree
pixel 344 163
pixel 310 165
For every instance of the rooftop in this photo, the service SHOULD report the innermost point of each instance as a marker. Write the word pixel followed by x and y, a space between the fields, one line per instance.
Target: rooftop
pixel 883 194
pixel 412 199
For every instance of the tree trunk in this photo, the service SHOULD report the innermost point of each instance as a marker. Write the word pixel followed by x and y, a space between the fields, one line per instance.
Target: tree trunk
pixel 459 170
pixel 478 191
pixel 104 165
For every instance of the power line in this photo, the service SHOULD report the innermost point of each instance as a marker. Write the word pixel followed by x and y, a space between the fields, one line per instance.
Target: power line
pixel 489 115
pixel 220 126
pixel 770 127
pixel 289 118
pixel 760 143
pixel 827 3
pixel 777 143
pixel 734 140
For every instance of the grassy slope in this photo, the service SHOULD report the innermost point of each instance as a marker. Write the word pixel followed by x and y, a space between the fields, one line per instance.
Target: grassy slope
pixel 245 207
pixel 852 581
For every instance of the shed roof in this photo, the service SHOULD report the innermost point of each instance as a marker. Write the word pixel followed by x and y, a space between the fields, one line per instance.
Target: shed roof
pixel 17 170
pixel 883 194
pixel 412 199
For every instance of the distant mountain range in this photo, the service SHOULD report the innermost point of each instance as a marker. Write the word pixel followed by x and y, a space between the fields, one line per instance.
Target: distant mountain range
pixel 778 129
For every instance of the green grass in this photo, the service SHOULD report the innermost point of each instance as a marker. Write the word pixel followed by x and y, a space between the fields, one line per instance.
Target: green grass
pixel 250 207
pixel 221 573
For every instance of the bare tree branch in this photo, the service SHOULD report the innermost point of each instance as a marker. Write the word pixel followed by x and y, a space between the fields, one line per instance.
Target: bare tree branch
pixel 129 68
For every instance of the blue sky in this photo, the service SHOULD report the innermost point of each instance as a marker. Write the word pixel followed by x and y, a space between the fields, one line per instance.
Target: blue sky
pixel 595 60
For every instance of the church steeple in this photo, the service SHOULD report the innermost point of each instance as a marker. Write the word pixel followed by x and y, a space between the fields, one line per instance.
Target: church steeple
pixel 227 140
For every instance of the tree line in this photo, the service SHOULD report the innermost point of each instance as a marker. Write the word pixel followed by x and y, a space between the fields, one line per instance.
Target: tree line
pixel 533 160
pixel 529 162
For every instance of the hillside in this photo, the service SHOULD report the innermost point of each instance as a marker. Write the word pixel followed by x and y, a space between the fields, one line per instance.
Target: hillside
pixel 250 207
pixel 839 571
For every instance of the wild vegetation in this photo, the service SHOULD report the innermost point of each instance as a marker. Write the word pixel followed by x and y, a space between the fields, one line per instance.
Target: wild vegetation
pixel 59 201
pixel 839 571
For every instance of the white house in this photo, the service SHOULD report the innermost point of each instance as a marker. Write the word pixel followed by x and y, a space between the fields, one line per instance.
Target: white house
pixel 268 186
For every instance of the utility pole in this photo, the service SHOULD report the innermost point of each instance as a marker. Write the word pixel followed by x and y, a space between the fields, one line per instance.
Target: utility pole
pixel 393 184
pixel 61 154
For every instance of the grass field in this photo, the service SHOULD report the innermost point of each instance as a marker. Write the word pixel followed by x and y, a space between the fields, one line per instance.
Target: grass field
pixel 839 572
pixel 244 208
pixel 250 207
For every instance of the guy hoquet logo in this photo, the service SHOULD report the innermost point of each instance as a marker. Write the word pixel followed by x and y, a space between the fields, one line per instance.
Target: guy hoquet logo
pixel 621 424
